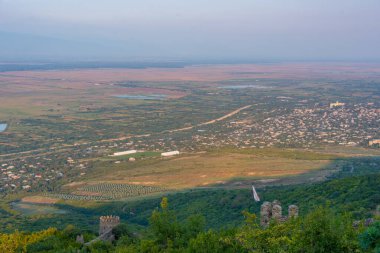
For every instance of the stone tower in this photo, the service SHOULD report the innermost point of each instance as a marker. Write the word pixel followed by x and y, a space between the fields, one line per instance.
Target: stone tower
pixel 277 211
pixel 265 213
pixel 273 210
pixel 293 211
pixel 107 223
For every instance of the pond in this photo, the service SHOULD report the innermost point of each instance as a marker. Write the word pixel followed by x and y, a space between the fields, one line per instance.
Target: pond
pixel 3 126
pixel 248 86
pixel 33 209
pixel 142 97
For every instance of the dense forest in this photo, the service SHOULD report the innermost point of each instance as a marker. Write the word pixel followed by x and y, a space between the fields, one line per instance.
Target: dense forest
pixel 322 230
pixel 357 193
pixel 221 220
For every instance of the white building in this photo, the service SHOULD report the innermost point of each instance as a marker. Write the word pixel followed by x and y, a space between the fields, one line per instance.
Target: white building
pixel 374 142
pixel 337 104
pixel 124 153
pixel 171 153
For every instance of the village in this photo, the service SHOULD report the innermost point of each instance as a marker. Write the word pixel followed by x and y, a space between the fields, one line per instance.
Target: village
pixel 333 124
pixel 338 124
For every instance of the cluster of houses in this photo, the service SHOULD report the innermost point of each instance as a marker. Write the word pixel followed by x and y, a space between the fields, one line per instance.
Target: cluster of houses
pixel 17 176
pixel 302 126
pixel 34 172
pixel 356 125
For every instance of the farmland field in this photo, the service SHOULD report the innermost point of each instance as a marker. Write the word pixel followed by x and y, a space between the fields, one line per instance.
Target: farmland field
pixel 205 169
pixel 189 126
pixel 233 125
pixel 227 167
pixel 116 191
pixel 76 106
pixel 31 209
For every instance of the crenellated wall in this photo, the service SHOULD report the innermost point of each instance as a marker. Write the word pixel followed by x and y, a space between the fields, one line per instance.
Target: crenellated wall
pixel 107 223
pixel 273 210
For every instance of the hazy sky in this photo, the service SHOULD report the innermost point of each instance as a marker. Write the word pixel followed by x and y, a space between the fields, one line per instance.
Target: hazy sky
pixel 191 29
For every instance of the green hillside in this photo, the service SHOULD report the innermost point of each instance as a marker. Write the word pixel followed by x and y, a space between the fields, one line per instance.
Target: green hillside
pixel 320 231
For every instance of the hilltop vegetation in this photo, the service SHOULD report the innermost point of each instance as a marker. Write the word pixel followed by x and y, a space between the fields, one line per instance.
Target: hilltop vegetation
pixel 54 138
pixel 319 231
pixel 222 207
pixel 218 219
pixel 278 131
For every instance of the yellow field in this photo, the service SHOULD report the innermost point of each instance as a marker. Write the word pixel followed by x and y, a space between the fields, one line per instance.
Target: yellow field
pixel 39 200
pixel 205 169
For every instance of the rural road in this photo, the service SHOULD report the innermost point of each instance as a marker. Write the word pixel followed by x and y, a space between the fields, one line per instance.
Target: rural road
pixel 27 154
pixel 211 121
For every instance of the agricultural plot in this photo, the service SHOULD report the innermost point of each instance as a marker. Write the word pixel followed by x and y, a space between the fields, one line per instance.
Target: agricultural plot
pixel 120 191
pixel 209 168
pixel 109 191
pixel 36 209
pixel 65 196
pixel 64 129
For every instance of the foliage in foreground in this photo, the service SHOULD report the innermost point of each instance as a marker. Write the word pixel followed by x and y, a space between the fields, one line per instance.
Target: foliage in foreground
pixel 357 193
pixel 319 231
pixel 19 241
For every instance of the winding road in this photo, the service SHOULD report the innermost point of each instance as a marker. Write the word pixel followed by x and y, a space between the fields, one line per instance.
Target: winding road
pixel 26 154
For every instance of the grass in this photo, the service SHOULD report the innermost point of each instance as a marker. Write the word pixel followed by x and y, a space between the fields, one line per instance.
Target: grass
pixel 117 191
pixel 39 200
pixel 30 209
pixel 207 169
pixel 280 153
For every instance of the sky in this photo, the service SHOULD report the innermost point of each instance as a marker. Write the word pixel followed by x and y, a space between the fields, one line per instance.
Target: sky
pixel 249 30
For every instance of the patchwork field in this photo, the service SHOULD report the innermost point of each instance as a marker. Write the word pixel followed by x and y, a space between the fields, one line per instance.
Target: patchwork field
pixel 43 92
pixel 228 168
pixel 123 179
pixel 231 124
pixel 204 170
pixel 32 209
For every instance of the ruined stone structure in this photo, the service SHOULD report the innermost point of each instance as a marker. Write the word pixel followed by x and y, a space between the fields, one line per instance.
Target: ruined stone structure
pixel 366 223
pixel 276 211
pixel 107 223
pixel 273 210
pixel 265 213
pixel 80 239
pixel 293 211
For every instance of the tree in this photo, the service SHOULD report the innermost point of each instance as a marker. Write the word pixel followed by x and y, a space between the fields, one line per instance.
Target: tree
pixel 164 225
pixel 370 239
pixel 323 231
pixel 18 241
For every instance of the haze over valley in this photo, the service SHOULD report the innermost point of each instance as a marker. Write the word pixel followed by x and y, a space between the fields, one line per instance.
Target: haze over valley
pixel 244 126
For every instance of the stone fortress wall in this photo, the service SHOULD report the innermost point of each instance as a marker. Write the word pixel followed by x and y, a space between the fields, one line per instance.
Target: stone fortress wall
pixel 273 210
pixel 107 223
